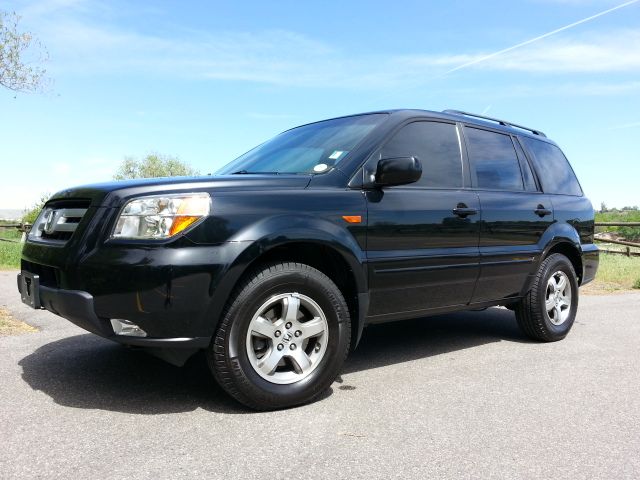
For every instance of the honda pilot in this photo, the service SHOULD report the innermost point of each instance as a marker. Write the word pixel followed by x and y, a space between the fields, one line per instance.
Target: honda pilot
pixel 276 264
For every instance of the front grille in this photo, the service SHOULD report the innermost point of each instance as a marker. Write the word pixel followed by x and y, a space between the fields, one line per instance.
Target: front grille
pixel 59 220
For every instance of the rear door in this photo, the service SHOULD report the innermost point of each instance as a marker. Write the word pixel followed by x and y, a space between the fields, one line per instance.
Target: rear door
pixel 515 213
pixel 421 253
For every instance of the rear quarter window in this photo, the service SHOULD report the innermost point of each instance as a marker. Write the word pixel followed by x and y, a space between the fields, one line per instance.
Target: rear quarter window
pixel 554 172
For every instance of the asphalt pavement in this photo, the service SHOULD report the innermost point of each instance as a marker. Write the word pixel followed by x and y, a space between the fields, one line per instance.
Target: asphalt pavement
pixel 457 396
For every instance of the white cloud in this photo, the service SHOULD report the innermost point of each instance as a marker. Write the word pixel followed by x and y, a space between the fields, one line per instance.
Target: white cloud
pixel 82 42
pixel 559 89
pixel 288 59
pixel 61 168
pixel 273 56
pixel 617 51
pixel 581 3
pixel 48 7
pixel 603 88
pixel 270 116
pixel 624 126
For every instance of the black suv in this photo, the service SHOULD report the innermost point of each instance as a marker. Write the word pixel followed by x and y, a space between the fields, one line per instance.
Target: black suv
pixel 275 265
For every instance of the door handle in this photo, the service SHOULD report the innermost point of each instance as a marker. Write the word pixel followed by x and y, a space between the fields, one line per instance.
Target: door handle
pixel 463 211
pixel 541 211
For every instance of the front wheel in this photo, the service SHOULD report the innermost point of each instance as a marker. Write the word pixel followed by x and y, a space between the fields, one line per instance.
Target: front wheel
pixel 548 311
pixel 283 337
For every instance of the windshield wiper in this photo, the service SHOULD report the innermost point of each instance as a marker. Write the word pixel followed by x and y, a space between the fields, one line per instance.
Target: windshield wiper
pixel 246 172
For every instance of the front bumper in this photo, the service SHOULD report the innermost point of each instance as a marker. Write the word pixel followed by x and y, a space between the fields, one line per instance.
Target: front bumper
pixel 78 307
pixel 175 292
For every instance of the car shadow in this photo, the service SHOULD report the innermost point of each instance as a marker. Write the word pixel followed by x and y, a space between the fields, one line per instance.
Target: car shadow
pixel 403 341
pixel 86 371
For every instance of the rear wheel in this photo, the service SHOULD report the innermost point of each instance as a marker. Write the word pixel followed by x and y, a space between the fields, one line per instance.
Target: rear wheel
pixel 548 311
pixel 283 337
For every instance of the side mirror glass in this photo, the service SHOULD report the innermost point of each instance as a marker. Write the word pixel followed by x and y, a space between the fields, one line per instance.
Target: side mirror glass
pixel 398 171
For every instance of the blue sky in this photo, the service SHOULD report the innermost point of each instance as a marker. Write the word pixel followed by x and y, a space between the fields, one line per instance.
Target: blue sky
pixel 206 81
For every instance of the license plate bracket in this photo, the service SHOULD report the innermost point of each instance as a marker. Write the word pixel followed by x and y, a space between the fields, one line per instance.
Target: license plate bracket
pixel 29 286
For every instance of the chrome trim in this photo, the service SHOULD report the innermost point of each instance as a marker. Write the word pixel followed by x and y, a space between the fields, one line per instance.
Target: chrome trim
pixel 57 220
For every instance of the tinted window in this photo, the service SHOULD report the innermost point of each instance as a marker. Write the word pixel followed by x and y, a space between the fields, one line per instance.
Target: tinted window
pixel 495 160
pixel 554 171
pixel 436 145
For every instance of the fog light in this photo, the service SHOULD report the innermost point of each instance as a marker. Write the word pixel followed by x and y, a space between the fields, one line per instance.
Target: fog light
pixel 127 328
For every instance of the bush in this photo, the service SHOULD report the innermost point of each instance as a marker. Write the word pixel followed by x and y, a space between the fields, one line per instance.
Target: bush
pixel 153 165
pixel 630 233
pixel 636 284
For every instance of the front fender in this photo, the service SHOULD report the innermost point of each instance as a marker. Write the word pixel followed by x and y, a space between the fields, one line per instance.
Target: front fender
pixel 252 242
pixel 282 229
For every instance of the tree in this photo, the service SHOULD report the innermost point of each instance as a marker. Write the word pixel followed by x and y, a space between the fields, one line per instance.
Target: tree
pixel 153 165
pixel 20 55
pixel 31 214
pixel 603 207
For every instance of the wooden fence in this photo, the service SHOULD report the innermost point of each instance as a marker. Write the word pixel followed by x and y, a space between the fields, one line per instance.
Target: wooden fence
pixel 628 245
pixel 21 227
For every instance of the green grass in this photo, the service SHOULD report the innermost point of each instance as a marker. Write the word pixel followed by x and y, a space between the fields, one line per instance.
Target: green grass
pixel 10 233
pixel 10 255
pixel 10 252
pixel 617 272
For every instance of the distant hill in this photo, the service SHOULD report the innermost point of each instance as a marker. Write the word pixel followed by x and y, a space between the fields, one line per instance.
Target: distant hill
pixel 10 214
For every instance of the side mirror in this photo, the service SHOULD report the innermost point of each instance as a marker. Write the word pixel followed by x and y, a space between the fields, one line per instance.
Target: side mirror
pixel 398 171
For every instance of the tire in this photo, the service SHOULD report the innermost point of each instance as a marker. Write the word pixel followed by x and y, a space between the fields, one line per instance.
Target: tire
pixel 283 337
pixel 544 314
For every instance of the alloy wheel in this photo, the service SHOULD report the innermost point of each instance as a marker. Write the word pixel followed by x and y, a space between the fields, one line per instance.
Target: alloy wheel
pixel 558 298
pixel 287 338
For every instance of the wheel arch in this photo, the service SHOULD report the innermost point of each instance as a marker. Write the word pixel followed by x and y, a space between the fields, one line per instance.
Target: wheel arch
pixel 561 238
pixel 318 243
pixel 326 259
pixel 572 252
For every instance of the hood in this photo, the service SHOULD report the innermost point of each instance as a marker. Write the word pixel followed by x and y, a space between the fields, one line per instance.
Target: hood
pixel 109 193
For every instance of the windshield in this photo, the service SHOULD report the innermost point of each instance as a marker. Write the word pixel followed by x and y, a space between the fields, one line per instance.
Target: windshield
pixel 313 148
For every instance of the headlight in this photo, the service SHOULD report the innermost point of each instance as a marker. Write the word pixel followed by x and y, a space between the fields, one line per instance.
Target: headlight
pixel 162 216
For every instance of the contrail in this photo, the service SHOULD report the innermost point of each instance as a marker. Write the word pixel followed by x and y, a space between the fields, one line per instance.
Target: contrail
pixel 625 126
pixel 508 49
pixel 540 37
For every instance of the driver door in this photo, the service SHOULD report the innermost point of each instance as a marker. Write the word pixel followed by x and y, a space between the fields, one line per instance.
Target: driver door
pixel 422 238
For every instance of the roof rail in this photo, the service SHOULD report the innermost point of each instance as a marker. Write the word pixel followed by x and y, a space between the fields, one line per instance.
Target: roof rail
pixel 497 120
